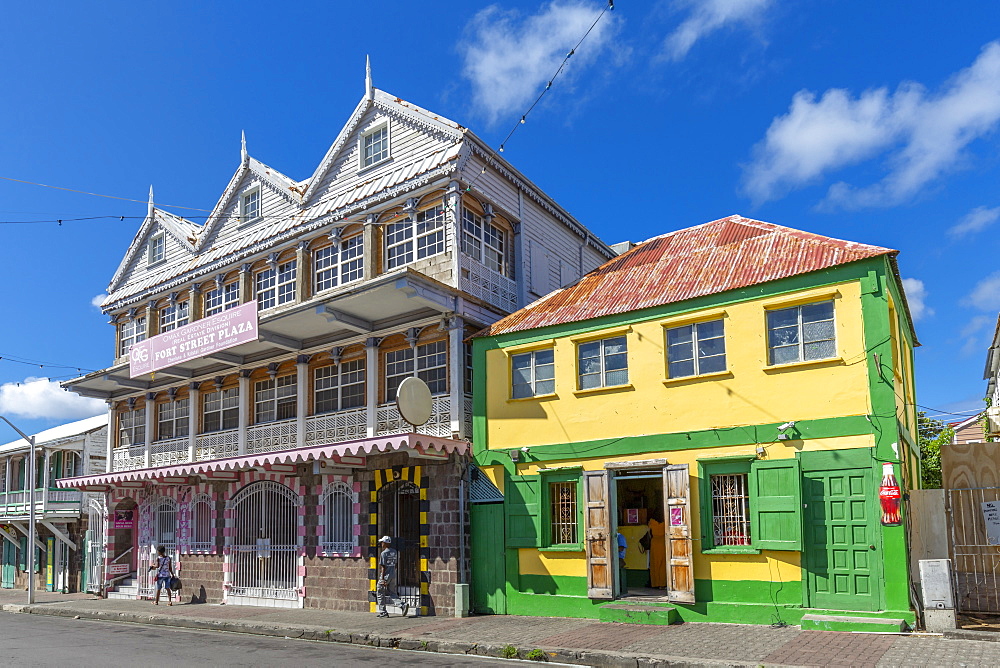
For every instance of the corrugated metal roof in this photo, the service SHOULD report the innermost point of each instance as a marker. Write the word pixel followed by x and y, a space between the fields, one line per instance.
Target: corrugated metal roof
pixel 725 254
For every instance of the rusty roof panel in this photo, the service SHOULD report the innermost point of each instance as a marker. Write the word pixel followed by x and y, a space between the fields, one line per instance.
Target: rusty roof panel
pixel 725 254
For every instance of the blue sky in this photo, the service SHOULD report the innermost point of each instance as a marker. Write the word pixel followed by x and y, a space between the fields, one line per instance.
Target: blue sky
pixel 874 122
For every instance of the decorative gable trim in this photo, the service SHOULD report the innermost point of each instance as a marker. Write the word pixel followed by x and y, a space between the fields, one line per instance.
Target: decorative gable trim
pixel 159 220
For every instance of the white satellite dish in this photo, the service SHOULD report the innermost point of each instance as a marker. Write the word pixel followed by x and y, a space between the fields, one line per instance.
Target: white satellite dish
pixel 413 399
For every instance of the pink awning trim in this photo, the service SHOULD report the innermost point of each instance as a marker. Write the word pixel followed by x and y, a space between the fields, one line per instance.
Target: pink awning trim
pixel 366 446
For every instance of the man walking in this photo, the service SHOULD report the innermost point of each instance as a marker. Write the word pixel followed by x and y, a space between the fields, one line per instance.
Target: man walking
pixel 385 587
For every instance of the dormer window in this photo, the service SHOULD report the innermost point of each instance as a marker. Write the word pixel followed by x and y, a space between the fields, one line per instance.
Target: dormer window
pixel 156 251
pixel 250 206
pixel 375 146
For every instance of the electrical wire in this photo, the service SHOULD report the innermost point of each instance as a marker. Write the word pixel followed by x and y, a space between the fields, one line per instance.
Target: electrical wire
pixel 17 359
pixel 84 192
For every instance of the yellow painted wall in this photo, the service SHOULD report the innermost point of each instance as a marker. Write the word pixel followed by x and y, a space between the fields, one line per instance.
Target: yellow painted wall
pixel 749 392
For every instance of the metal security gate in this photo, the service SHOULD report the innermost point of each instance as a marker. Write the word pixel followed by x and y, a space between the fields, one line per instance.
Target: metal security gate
pixel 97 518
pixel 399 518
pixel 264 548
pixel 157 528
pixel 975 549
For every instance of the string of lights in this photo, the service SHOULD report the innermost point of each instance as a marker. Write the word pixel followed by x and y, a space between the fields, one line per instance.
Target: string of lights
pixel 41 364
pixel 84 192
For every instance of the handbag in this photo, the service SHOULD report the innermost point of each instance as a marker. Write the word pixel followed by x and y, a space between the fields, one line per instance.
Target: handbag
pixel 646 541
pixel 175 583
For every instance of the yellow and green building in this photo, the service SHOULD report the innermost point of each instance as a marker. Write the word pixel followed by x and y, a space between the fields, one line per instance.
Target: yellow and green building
pixel 739 383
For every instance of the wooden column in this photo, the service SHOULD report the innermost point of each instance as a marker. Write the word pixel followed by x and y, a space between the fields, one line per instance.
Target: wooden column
pixel 456 375
pixel 246 283
pixel 301 398
pixel 197 308
pixel 245 397
pixel 371 251
pixel 303 272
pixel 150 408
pixel 109 464
pixel 371 383
pixel 46 475
pixel 194 410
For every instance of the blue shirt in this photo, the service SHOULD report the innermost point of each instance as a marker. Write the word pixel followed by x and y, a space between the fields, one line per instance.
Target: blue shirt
pixel 622 545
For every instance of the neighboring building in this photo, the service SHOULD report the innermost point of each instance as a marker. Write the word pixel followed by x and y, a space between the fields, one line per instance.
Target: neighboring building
pixel 269 469
pixel 743 382
pixel 992 376
pixel 66 557
pixel 969 430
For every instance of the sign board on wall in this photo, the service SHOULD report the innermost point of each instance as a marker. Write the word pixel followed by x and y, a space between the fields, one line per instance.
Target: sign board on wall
pixel 991 516
pixel 118 569
pixel 197 339
pixel 124 519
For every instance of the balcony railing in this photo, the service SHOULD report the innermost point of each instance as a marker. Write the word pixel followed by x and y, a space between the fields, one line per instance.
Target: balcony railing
pixel 346 425
pixel 62 501
pixel 490 286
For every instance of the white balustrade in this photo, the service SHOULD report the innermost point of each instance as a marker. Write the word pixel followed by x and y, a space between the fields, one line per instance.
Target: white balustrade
pixel 345 425
pixel 169 451
pixel 128 458
pixel 217 444
pixel 389 421
pixel 15 504
pixel 271 436
pixel 490 286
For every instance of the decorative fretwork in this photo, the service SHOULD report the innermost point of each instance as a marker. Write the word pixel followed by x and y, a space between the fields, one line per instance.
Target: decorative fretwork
pixel 340 426
pixel 217 444
pixel 128 458
pixel 488 285
pixel 389 421
pixel 271 436
pixel 467 418
pixel 165 453
pixel 730 509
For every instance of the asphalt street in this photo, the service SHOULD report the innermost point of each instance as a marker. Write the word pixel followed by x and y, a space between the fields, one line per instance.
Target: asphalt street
pixel 36 640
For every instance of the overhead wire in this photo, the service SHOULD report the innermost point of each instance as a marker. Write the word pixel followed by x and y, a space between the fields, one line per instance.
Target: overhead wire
pixel 84 192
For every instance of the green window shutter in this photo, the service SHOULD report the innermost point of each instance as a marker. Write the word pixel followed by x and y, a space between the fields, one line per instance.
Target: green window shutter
pixel 522 496
pixel 776 505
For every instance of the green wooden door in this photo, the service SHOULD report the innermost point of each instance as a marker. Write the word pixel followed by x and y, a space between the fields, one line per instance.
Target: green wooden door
pixel 842 565
pixel 489 575
pixel 8 567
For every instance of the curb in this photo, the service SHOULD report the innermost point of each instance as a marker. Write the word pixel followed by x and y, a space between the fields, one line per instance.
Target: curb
pixel 597 659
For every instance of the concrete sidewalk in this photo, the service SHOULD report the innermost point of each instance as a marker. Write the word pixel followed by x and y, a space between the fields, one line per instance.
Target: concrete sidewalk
pixel 577 641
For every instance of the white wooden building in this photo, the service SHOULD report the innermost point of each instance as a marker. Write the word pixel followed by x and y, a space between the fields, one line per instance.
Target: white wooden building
pixel 269 468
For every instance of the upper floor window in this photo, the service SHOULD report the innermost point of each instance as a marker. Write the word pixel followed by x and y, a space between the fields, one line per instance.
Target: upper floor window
pixel 222 299
pixel 276 285
pixel 603 363
pixel 250 206
pixel 132 332
pixel 274 399
pixel 221 409
pixel 375 146
pixel 156 251
pixel 431 365
pixel 174 315
pixel 696 349
pixel 132 427
pixel 801 333
pixel 483 241
pixel 533 374
pixel 172 419
pixel 340 386
pixel 427 231
pixel 340 263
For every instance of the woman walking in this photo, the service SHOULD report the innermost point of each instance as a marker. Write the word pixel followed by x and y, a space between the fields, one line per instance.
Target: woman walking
pixel 164 568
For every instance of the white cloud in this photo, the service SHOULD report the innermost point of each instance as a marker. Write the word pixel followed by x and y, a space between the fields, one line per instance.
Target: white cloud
pixel 98 300
pixel 43 398
pixel 707 16
pixel 916 298
pixel 973 344
pixel 975 221
pixel 986 295
pixel 509 57
pixel 928 133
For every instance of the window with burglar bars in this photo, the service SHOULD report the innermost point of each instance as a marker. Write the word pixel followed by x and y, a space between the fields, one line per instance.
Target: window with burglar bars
pixel 563 513
pixel 274 399
pixel 132 427
pixel 276 286
pixel 432 367
pixel 340 263
pixel 201 524
pixel 338 527
pixel 484 242
pixel 801 333
pixel 603 363
pixel 730 509
pixel 340 386
pixel 222 299
pixel 696 349
pixel 222 410
pixel 174 316
pixel 172 419
pixel 132 332
pixel 532 374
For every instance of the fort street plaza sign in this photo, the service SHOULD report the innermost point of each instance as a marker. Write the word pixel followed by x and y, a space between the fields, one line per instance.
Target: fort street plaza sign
pixel 201 337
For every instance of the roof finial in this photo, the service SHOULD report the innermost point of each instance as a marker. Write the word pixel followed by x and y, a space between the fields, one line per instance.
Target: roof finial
pixel 243 146
pixel 369 89
pixel 149 210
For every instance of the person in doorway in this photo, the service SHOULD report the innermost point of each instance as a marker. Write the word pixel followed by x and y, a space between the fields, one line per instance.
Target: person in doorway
pixel 164 568
pixel 622 575
pixel 657 550
pixel 385 587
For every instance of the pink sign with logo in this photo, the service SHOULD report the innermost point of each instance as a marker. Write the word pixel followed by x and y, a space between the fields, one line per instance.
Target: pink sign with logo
pixel 201 337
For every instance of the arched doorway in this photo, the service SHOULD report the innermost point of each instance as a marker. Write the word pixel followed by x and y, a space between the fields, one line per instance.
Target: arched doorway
pixel 157 528
pixel 264 545
pixel 399 518
pixel 96 545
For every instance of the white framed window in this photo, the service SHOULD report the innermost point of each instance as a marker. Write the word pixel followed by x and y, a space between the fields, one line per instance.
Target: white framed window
pixel 398 365
pixel 156 252
pixel 340 263
pixel 222 298
pixel 532 374
pixel 430 232
pixel 418 237
pixel 274 399
pixel 801 333
pixel 172 419
pixel 696 349
pixel 375 146
pixel 221 410
pixel 174 315
pixel 250 206
pixel 484 242
pixel 276 286
pixel 339 386
pixel 398 244
pixel 201 532
pixel 431 365
pixel 132 427
pixel 132 332
pixel 603 363
pixel 337 506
